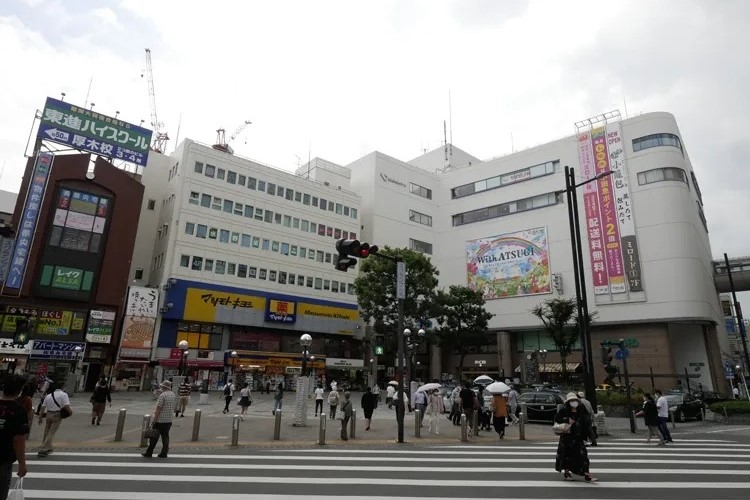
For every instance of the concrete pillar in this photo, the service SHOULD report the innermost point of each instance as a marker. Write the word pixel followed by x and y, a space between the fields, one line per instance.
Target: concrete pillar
pixel 504 355
pixel 436 365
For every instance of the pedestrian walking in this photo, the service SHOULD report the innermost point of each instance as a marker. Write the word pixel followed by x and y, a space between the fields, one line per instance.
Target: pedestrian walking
pixel 376 391
pixel 45 387
pixel 650 416
pixel 499 414
pixel 56 404
pixel 662 407
pixel 347 410
pixel 389 392
pixel 228 395
pixel 420 403
pixel 455 400
pixel 369 403
pixel 513 403
pixel 14 426
pixel 736 392
pixel 245 400
pixel 184 391
pixel 435 409
pixel 278 398
pixel 99 400
pixel 319 399
pixel 591 430
pixel 467 402
pixel 333 402
pixel 25 399
pixel 161 421
pixel 572 456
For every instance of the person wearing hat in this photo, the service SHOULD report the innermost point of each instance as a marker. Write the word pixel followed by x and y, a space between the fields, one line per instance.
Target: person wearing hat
pixel 162 420
pixel 572 456
pixel 592 422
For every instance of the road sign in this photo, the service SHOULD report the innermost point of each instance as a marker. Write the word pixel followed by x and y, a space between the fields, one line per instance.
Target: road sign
pixel 622 353
pixel 400 280
pixel 627 342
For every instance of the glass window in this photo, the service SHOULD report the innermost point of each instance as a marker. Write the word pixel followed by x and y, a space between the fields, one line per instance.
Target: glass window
pixel 241 180
pixel 201 231
pixel 321 230
pixel 302 252
pixel 311 254
pixel 493 182
pixel 335 286
pixel 326 284
pixel 272 275
pixel 245 241
pixel 231 268
pixel 305 225
pixel 261 185
pixel 216 203
pixel 266 244
pixel 269 217
pixel 328 258
pixel 259 214
pixel 420 246
pixel 285 249
pixel 210 171
pixel 235 238
pixel 330 206
pixel 318 283
pixel 220 173
pixel 274 246
pixel 300 280
pixel 662 174
pixel 295 223
pixel 208 265
pixel 252 272
pixel 323 204
pixel 184 260
pixel 346 211
pixel 320 256
pixel 194 198
pixel 655 140
pixel 289 195
pixel 277 218
pixel 315 201
pixel 197 263
pixel 339 208
pixel 306 199
pixel 238 209
pixel 271 189
pixel 189 228
pixel 256 242
pixel 287 221
pixel 293 250
pixel 241 270
pixel 198 167
pixel 249 211
pixel 354 213
pixel 297 196
pixel 282 278
pixel 228 206
pixel 280 191
pixel 251 182
pixel 206 200
pixel 221 266
pixel 213 233
pixel 232 177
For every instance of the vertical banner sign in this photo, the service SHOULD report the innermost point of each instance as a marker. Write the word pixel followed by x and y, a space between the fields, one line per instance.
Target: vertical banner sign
pixel 610 229
pixel 138 324
pixel 593 222
pixel 624 208
pixel 29 217
pixel 6 254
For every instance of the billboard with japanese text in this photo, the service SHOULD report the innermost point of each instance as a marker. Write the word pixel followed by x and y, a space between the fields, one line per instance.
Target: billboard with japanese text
pixel 509 265
pixel 94 132
pixel 139 322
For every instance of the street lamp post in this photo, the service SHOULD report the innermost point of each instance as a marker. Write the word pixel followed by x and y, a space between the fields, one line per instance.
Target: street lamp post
pixel 580 279
pixel 233 361
pixel 543 354
pixel 303 384
pixel 183 345
pixel 78 349
pixel 738 369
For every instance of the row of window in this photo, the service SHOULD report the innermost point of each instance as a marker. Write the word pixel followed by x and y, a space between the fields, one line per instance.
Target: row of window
pixel 662 174
pixel 249 241
pixel 248 211
pixel 420 190
pixel 216 266
pixel 274 190
pixel 420 246
pixel 505 179
pixel 421 218
pixel 503 209
pixel 655 140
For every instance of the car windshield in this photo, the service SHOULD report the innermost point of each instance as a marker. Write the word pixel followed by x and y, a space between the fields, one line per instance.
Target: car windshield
pixel 674 399
pixel 528 397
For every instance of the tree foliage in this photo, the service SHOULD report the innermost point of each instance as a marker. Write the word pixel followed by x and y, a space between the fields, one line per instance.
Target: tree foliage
pixel 463 321
pixel 557 314
pixel 376 289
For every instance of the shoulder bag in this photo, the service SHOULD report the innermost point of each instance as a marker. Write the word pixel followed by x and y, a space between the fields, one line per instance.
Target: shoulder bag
pixel 64 412
pixel 561 428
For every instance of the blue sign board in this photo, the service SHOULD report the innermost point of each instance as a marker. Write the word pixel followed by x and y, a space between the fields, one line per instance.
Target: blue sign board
pixel 86 130
pixel 29 217
pixel 50 349
pixel 622 353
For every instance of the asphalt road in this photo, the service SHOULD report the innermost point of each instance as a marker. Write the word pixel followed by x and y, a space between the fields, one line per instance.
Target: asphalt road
pixel 696 466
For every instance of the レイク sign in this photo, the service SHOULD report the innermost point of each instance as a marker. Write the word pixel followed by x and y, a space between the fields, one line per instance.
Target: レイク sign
pixel 89 131
pixel 67 277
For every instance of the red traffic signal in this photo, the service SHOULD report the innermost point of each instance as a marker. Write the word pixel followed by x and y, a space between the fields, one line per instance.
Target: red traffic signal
pixel 365 250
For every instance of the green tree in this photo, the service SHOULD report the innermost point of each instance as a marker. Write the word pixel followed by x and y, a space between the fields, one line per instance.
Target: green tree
pixel 463 321
pixel 376 289
pixel 557 314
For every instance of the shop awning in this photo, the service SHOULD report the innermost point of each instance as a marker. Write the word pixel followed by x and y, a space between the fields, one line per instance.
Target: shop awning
pixel 557 367
pixel 192 363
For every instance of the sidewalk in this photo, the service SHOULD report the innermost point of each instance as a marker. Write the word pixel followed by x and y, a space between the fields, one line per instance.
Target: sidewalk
pixel 258 426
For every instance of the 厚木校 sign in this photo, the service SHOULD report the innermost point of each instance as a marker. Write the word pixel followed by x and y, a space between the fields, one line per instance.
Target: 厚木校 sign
pixel 86 130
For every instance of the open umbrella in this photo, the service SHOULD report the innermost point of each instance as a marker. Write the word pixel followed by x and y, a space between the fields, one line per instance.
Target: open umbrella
pixel 429 387
pixel 497 388
pixel 483 379
pixel 393 382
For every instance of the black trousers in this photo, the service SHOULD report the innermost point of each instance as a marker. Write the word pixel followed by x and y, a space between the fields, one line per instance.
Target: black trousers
pixel 318 406
pixel 227 400
pixel 163 432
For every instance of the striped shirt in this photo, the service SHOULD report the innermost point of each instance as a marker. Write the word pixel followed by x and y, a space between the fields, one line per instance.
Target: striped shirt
pixel 184 390
pixel 166 405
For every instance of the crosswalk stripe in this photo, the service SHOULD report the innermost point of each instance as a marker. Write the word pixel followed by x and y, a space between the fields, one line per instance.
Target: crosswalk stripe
pixel 90 495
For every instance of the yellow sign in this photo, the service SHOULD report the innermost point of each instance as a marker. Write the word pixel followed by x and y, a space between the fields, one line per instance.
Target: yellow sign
pixel 328 312
pixel 54 324
pixel 200 305
pixel 281 306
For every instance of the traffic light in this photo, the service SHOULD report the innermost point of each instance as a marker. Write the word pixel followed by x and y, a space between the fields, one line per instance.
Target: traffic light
pixel 343 263
pixel 348 249
pixel 21 335
pixel 606 352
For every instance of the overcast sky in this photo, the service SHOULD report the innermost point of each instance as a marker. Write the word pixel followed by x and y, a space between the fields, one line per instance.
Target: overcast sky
pixel 340 79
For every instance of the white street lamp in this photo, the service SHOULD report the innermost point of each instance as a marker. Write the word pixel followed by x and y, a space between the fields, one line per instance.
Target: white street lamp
pixel 303 384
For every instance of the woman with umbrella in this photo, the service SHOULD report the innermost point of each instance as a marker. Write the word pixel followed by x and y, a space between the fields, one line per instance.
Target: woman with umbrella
pixel 571 423
pixel 499 406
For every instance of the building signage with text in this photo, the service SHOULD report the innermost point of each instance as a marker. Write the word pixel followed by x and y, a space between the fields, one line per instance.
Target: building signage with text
pixel 281 311
pixel 100 327
pixel 47 349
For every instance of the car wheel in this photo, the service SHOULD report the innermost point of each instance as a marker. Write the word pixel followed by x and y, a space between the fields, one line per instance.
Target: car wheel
pixel 681 416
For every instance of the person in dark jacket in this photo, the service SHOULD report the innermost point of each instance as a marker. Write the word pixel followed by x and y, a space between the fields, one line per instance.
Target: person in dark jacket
pixel 369 403
pixel 99 400
pixel 650 416
pixel 571 449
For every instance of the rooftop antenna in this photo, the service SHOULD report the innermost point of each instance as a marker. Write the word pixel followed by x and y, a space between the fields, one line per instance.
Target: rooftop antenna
pixel 512 148
pixel 179 123
pixel 309 158
pixel 62 96
pixel 450 123
pixel 91 80
pixel 445 143
pixel 624 102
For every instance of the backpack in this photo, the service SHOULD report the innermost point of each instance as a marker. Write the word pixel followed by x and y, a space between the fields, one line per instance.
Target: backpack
pixel 227 390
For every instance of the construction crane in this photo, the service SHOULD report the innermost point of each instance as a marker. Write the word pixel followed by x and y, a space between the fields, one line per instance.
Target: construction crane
pixel 222 144
pixel 160 136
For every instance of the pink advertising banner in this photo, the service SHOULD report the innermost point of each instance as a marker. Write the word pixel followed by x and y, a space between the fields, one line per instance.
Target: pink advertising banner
pixel 593 221
pixel 608 212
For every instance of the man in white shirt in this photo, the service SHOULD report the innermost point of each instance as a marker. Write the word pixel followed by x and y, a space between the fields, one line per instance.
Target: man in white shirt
pixel 228 395
pixel 513 403
pixel 319 399
pixel 54 404
pixel 662 406
pixel 736 392
pixel 389 392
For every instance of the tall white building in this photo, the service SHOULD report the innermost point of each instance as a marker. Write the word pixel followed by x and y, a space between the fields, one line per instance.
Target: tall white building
pixel 501 226
pixel 243 255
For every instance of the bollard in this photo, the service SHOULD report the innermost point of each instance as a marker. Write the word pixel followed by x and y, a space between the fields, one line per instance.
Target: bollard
pixel 120 424
pixel 353 424
pixel 196 424
pixel 464 433
pixel 601 422
pixel 144 426
pixel 522 423
pixel 277 426
pixel 703 416
pixel 417 424
pixel 475 422
pixel 635 421
pixel 235 430
pixel 671 417
pixel 322 431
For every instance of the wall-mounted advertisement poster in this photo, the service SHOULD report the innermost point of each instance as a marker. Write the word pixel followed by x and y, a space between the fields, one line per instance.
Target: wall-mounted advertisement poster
pixel 509 265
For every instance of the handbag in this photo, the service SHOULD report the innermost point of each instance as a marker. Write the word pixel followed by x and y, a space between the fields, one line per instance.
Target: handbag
pixel 64 412
pixel 340 415
pixel 17 492
pixel 150 433
pixel 561 428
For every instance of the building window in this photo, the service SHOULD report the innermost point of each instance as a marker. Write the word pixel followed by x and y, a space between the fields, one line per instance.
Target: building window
pixel 138 274
pixel 198 167
pixel 280 191
pixel 221 266
pixel 241 270
pixel 285 249
pixel 256 242
pixel 210 171
pixel 206 200
pixel 656 140
pixel 420 218
pixel 262 274
pixel 277 218
pixel 662 174
pixel 354 213
pixel 420 190
pixel 268 216
pixel 151 204
pixel 200 336
pixel 261 185
pixel 315 201
pixel 702 215
pixel 245 241
pixel 271 275
pixel 497 181
pixel 318 283
pixel 220 173
pixel 241 180
pixel 228 206
pixel 287 221
pixel 197 263
pixel 275 246
pixel 213 233
pixel 271 189
pixel 184 260
pixel 259 214
pixel 251 182
pixel 697 188
pixel 224 236
pixel 534 202
pixel 189 228
pixel 309 282
pixel 249 211
pixel 420 246
pixel 252 272
pixel 194 198
pixel 266 244
pixel 216 203
pixel 231 268
pixel 306 199
pixel 300 280
pixel 232 177
pixel 201 230
pixel 208 265
pixel 297 196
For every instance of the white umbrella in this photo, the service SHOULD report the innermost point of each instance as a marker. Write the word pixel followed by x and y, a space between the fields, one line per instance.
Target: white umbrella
pixel 483 379
pixel 497 388
pixel 429 387
pixel 393 382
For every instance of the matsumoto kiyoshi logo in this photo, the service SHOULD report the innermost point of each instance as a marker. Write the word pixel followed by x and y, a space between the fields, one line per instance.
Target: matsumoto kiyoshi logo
pixel 391 180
